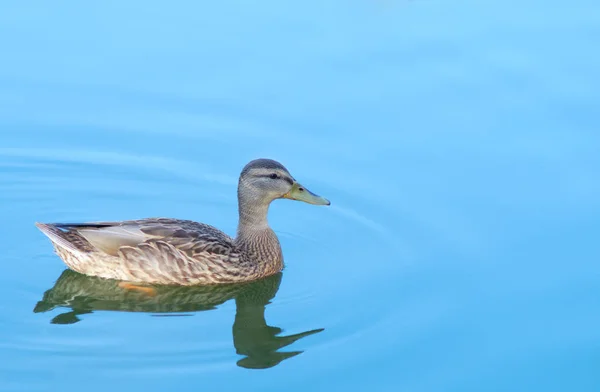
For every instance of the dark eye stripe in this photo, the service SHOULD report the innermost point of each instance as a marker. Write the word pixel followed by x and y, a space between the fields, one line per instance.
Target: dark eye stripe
pixel 286 178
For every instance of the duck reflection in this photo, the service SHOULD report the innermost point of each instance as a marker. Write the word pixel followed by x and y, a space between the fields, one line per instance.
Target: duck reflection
pixel 252 337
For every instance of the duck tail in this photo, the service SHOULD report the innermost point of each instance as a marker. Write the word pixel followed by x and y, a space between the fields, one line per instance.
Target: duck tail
pixel 61 236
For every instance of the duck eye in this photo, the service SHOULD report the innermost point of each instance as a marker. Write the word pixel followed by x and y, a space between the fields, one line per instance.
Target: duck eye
pixel 274 176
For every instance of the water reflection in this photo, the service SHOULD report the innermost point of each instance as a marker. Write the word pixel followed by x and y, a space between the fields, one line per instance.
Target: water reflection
pixel 252 337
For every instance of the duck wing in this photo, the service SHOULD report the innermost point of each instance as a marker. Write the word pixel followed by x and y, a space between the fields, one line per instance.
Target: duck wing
pixel 187 236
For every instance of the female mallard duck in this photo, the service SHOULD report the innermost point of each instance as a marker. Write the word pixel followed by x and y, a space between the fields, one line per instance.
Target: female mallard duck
pixel 172 251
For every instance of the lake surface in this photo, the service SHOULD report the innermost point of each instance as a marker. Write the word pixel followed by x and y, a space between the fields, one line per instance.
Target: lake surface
pixel 458 143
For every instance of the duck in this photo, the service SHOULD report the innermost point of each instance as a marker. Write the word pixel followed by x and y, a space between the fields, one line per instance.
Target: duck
pixel 167 251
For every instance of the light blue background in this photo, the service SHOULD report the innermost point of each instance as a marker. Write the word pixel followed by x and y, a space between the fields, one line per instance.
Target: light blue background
pixel 457 140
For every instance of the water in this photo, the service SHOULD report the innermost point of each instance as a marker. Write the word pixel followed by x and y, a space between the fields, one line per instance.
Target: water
pixel 457 142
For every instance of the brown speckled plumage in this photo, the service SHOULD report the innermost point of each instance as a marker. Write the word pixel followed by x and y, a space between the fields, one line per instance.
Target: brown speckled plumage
pixel 183 252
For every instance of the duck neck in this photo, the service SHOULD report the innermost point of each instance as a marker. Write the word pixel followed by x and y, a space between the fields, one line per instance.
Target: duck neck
pixel 255 236
pixel 252 215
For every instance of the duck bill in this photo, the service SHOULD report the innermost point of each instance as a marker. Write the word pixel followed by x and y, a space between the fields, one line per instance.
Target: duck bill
pixel 300 193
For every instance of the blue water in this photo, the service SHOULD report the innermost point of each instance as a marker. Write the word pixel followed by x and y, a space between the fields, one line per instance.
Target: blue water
pixel 457 140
